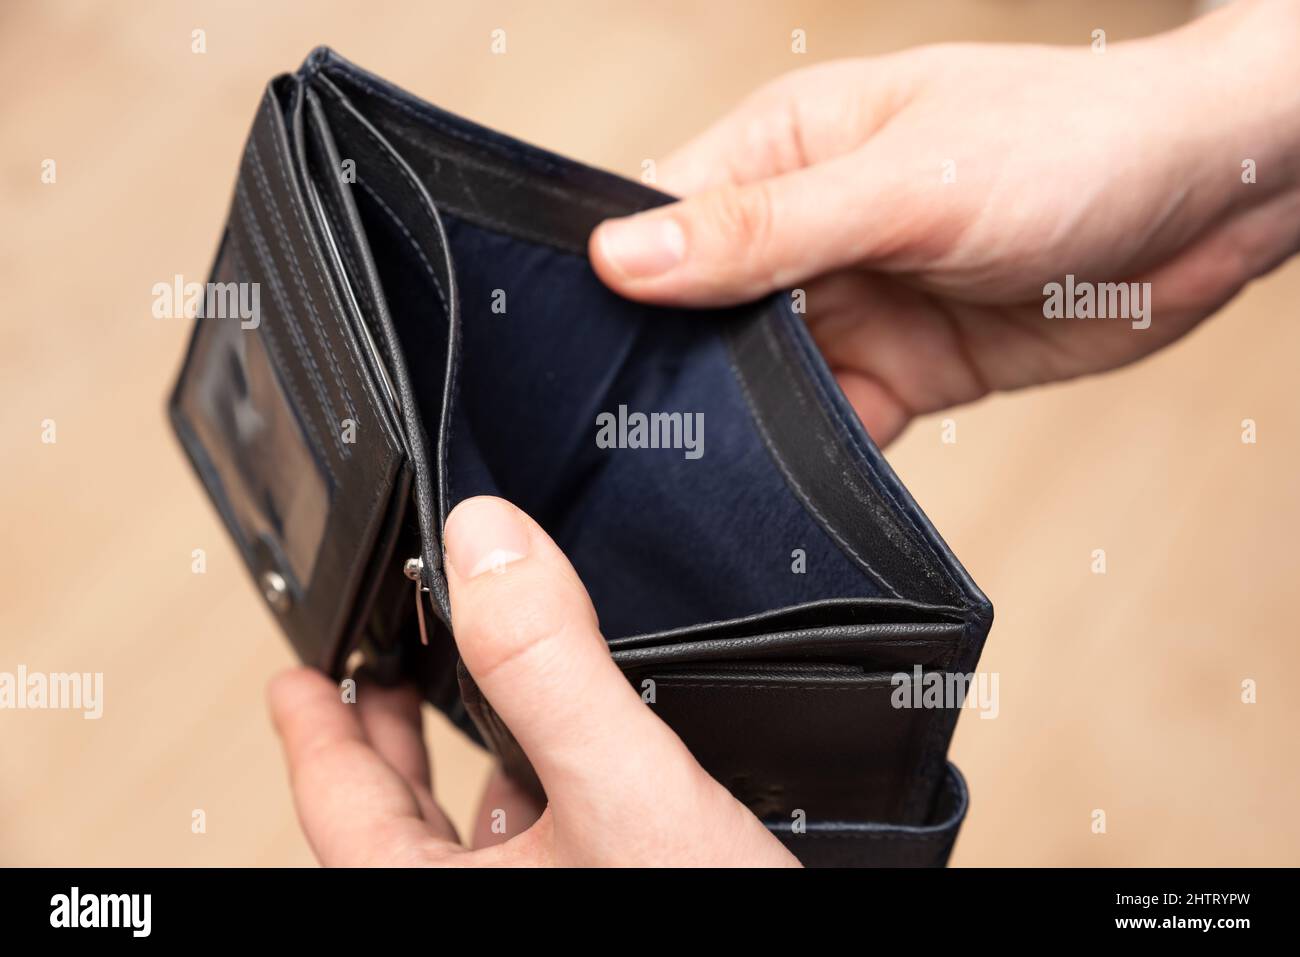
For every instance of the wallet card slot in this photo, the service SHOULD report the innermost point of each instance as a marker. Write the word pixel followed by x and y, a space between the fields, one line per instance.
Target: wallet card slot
pixel 782 722
pixel 343 239
pixel 828 613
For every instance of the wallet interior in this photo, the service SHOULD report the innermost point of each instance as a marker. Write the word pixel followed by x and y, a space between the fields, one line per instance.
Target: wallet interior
pixel 547 355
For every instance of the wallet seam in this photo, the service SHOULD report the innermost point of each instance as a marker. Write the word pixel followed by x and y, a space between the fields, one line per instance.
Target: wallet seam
pixel 804 498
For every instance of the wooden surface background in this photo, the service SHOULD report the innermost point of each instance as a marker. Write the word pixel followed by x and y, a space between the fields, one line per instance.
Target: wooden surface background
pixel 1119 692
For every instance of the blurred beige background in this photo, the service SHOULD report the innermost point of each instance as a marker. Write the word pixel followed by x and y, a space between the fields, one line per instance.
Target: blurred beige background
pixel 1119 692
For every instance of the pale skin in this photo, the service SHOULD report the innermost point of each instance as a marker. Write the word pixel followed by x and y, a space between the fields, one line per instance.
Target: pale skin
pixel 924 294
pixel 922 200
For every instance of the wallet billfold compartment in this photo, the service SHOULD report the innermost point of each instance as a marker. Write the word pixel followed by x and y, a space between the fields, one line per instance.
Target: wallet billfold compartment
pixel 429 329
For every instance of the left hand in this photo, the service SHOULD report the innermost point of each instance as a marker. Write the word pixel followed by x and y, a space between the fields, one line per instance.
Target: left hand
pixel 623 789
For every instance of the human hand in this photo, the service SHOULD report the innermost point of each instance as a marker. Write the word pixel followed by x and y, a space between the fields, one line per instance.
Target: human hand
pixel 622 788
pixel 1119 166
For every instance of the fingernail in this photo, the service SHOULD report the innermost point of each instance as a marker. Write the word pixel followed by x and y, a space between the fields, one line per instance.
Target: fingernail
pixel 642 246
pixel 484 535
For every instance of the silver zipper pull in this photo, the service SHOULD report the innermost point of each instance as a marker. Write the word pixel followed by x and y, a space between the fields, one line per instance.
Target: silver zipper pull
pixel 412 569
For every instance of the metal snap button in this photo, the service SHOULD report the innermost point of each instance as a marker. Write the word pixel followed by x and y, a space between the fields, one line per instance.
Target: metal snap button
pixel 276 591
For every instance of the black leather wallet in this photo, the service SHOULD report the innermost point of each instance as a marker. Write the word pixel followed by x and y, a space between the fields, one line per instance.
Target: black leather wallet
pixel 428 328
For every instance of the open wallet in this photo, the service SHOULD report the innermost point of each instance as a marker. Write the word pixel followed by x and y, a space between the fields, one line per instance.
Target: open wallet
pixel 430 328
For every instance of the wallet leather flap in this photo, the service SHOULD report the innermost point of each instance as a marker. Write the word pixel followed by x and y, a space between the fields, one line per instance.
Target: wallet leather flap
pixel 281 417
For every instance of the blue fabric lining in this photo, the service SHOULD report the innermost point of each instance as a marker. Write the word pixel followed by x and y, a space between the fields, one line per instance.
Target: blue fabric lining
pixel 660 540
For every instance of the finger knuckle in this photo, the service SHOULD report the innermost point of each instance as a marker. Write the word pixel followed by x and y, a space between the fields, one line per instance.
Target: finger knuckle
pixel 743 215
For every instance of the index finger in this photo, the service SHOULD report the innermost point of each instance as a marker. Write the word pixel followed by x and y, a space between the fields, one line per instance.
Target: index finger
pixel 355 809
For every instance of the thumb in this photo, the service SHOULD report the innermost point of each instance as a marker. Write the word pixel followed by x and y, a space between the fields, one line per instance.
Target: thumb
pixel 527 632
pixel 737 242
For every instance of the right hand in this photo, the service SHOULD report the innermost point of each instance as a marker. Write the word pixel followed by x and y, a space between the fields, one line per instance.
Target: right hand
pixel 1115 166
